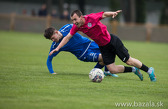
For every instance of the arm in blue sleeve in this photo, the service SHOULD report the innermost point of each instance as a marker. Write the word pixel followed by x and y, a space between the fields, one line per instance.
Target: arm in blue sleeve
pixel 49 62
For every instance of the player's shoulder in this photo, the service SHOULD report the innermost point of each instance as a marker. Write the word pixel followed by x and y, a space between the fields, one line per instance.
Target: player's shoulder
pixel 94 14
pixel 66 27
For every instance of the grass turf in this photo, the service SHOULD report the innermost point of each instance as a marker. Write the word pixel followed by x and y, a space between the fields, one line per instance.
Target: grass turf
pixel 26 83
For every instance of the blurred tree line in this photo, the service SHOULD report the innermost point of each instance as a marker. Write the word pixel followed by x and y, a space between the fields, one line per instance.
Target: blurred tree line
pixel 135 10
pixel 164 13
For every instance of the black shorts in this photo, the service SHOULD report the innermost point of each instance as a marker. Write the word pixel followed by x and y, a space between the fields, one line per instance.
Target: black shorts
pixel 113 48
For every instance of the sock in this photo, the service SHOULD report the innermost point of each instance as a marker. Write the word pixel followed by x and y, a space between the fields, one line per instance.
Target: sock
pixel 127 69
pixel 133 69
pixel 144 68
pixel 98 66
pixel 149 71
pixel 105 69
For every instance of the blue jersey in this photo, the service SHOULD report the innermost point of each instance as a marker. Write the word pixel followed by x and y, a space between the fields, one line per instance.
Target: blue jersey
pixel 77 45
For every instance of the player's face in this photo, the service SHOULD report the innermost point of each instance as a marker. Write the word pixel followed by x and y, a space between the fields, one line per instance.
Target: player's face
pixel 55 37
pixel 77 20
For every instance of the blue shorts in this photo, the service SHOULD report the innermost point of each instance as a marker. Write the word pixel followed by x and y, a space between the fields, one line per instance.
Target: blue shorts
pixel 91 54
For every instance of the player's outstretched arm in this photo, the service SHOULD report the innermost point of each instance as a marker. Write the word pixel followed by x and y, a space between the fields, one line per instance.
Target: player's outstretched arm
pixel 111 14
pixel 49 64
pixel 62 43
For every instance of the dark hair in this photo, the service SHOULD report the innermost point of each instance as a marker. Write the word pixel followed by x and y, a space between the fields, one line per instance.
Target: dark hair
pixel 78 12
pixel 49 32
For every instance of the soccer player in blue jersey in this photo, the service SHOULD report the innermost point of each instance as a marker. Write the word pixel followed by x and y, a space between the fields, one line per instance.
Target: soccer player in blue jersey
pixel 83 48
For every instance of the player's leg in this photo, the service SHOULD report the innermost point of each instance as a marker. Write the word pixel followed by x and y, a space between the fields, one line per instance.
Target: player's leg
pixel 109 52
pixel 123 54
pixel 115 68
pixel 135 62
pixel 109 60
pixel 106 71
pixel 123 69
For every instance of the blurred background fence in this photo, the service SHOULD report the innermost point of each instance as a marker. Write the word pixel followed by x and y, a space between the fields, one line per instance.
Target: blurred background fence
pixel 142 20
pixel 28 23
pixel 140 32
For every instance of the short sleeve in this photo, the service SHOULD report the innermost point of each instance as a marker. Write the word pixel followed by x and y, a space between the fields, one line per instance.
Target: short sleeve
pixel 97 16
pixel 65 29
pixel 73 30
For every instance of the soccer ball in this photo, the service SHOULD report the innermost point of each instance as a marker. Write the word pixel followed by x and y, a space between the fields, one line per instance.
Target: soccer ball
pixel 96 75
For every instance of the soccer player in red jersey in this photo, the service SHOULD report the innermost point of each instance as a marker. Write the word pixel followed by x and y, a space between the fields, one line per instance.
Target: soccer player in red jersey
pixel 109 44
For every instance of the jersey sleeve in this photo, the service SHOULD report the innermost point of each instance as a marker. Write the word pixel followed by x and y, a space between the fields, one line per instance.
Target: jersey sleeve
pixel 65 29
pixel 73 30
pixel 49 64
pixel 96 16
pixel 49 60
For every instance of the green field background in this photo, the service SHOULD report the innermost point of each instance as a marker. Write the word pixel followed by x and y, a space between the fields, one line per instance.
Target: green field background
pixel 25 82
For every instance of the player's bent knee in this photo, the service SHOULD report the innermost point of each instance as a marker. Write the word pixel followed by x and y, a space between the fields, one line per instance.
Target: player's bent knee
pixel 130 61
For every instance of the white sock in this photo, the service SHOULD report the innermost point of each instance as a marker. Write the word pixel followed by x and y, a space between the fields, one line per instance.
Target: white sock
pixel 149 71
pixel 107 71
pixel 133 69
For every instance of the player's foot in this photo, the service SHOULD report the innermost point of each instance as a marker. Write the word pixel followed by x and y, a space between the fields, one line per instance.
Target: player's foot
pixel 107 73
pixel 53 73
pixel 138 73
pixel 152 75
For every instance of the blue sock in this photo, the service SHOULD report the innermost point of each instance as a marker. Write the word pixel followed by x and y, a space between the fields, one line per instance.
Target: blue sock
pixel 105 69
pixel 98 66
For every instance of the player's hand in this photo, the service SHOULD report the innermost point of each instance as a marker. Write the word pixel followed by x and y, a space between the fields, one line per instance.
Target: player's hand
pixel 116 13
pixel 53 51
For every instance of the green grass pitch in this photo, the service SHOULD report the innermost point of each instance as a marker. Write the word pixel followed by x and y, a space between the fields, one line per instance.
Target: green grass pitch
pixel 25 82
